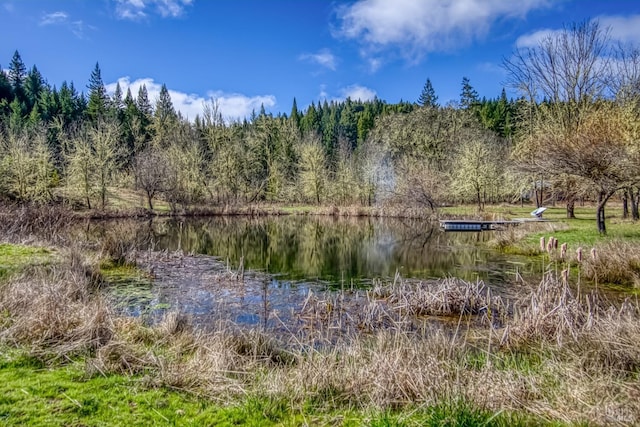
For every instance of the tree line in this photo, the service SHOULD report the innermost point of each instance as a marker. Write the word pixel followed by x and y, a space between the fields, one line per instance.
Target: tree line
pixel 571 134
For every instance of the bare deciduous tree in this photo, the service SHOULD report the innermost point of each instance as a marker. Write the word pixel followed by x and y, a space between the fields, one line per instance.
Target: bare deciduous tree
pixel 565 76
pixel 153 174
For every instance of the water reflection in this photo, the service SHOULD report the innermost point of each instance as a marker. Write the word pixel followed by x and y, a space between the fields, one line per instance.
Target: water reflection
pixel 339 251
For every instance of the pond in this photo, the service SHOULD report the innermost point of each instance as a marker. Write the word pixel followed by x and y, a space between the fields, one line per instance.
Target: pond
pixel 291 255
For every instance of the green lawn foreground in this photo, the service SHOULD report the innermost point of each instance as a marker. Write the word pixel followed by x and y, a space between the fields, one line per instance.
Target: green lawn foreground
pixel 36 395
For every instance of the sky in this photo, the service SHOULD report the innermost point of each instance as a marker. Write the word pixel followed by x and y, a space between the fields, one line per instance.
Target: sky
pixel 248 53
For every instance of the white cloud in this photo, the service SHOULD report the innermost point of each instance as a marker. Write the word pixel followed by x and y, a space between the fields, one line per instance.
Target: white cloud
pixel 623 28
pixel 138 9
pixel 534 39
pixel 374 64
pixel 232 106
pixel 235 106
pixel 324 57
pixel 355 92
pixel 358 93
pixel 416 27
pixel 59 17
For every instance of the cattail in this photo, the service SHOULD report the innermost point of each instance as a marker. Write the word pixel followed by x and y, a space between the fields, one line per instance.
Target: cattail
pixel 563 250
pixel 594 254
pixel 550 244
pixel 565 276
pixel 555 243
pixel 543 246
pixel 579 253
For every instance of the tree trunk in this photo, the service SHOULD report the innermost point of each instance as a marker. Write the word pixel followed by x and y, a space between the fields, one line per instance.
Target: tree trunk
pixel 602 201
pixel 625 204
pixel 149 198
pixel 634 204
pixel 571 204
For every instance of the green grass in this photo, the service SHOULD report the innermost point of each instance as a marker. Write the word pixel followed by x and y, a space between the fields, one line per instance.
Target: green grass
pixel 579 231
pixel 14 257
pixel 36 395
pixel 62 396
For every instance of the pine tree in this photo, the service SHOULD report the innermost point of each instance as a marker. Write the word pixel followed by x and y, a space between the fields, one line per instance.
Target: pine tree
pixel 164 107
pixel 16 118
pixel 98 98
pixel 5 92
pixel 468 95
pixel 70 103
pixel 348 124
pixel 33 85
pixel 295 114
pixel 17 74
pixel 310 122
pixel 145 111
pixel 428 97
pixel 164 118
pixel 116 102
pixel 143 102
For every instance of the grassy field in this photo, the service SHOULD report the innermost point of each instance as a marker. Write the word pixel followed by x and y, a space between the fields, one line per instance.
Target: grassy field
pixel 36 395
pixel 553 357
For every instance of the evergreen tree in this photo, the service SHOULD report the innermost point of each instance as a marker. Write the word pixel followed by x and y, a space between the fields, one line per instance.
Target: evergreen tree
pixel 34 85
pixel 310 122
pixel 48 103
pixel 164 118
pixel 5 93
pixel 17 74
pixel 295 114
pixel 16 119
pixel 365 124
pixel 70 103
pixel 143 103
pixel 164 107
pixel 428 97
pixel 97 95
pixel 145 114
pixel 116 102
pixel 329 127
pixel 348 124
pixel 468 95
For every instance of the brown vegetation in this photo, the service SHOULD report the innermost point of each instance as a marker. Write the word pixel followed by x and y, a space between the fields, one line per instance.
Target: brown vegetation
pixel 555 354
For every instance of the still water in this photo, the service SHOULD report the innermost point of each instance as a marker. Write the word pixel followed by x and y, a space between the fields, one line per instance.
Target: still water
pixel 299 253
pixel 334 250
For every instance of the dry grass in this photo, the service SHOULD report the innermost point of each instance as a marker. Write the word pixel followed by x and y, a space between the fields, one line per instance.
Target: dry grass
pixel 614 262
pixel 56 310
pixel 554 354
pixel 41 223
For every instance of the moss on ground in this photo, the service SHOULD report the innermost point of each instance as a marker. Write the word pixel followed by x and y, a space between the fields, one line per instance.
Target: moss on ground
pixel 14 257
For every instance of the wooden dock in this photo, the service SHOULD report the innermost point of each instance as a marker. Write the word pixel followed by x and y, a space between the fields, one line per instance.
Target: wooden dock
pixel 476 225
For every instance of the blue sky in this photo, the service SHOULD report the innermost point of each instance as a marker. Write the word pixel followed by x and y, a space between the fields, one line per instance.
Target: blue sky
pixel 245 53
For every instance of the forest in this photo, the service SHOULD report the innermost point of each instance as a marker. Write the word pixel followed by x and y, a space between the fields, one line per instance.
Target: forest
pixel 570 135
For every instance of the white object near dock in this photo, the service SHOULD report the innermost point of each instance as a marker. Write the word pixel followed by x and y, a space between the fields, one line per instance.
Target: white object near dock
pixel 538 212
